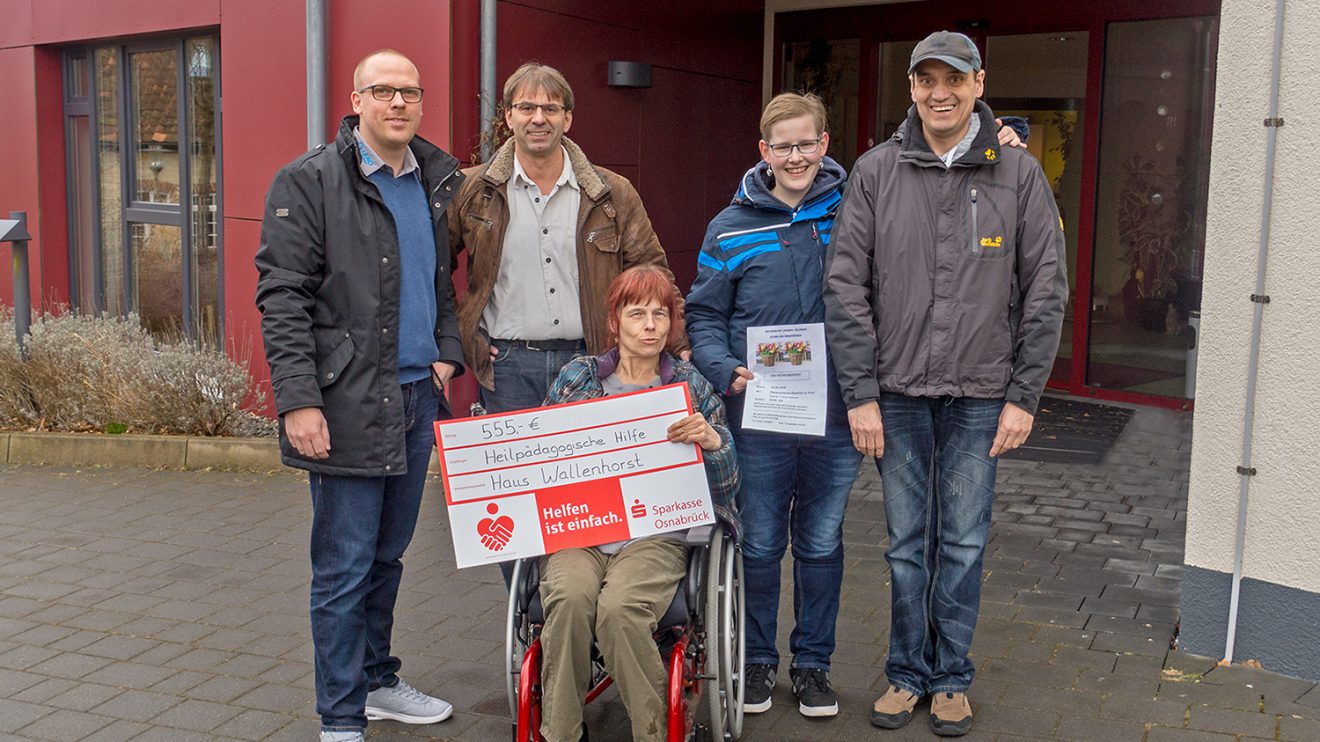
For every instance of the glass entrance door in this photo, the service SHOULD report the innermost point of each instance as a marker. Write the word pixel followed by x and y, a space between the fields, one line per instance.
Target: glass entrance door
pixel 1042 77
pixel 1151 188
pixel 1120 97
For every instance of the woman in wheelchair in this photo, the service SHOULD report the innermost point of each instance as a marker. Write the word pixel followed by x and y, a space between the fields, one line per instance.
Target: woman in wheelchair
pixel 617 592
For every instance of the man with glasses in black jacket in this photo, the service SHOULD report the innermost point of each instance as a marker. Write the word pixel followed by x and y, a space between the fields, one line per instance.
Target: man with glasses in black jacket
pixel 361 336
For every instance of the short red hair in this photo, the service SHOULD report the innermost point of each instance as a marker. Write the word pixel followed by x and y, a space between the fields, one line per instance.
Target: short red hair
pixel 643 284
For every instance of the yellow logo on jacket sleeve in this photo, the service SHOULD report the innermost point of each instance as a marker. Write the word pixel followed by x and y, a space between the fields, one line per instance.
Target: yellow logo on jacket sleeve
pixel 996 241
pixel 990 155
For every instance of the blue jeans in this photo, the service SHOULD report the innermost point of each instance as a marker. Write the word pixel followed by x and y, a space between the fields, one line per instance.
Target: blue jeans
pixel 800 484
pixel 524 375
pixel 939 483
pixel 360 529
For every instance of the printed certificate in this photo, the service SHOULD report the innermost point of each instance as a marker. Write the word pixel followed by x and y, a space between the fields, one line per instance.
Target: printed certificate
pixel 788 392
pixel 580 474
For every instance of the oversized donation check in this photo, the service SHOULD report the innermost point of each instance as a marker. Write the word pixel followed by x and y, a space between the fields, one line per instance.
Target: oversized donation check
pixel 580 474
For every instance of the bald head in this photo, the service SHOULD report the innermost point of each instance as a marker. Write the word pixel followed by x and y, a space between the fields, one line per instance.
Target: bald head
pixel 364 73
pixel 386 119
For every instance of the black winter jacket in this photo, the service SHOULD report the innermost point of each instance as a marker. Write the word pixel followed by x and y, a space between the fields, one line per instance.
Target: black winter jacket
pixel 328 290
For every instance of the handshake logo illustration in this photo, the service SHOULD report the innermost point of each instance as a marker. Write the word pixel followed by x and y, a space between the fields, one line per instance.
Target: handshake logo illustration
pixel 495 532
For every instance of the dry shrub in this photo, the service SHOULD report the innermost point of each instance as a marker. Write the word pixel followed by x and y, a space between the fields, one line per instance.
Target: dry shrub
pixel 106 373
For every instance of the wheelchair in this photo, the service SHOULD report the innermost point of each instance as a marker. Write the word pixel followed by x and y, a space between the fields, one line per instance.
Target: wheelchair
pixel 700 638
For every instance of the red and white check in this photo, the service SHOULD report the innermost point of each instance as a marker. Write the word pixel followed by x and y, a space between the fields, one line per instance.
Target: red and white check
pixel 528 483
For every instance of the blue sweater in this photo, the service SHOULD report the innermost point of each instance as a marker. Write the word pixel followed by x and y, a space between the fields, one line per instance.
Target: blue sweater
pixel 762 263
pixel 406 200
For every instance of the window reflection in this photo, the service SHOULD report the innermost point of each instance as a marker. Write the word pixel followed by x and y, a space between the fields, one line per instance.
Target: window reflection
pixel 111 186
pixel 203 211
pixel 1042 78
pixel 155 125
pixel 158 277
pixel 1150 204
pixel 152 177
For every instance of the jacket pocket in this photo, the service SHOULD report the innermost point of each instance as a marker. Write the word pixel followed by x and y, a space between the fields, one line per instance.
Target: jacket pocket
pixel 979 247
pixel 605 239
pixel 976 227
pixel 331 366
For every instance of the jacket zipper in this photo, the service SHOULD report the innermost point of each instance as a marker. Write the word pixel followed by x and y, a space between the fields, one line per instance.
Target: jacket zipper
pixel 486 222
pixel 976 228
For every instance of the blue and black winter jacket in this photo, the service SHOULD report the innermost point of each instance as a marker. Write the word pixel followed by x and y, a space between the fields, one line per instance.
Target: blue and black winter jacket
pixel 762 263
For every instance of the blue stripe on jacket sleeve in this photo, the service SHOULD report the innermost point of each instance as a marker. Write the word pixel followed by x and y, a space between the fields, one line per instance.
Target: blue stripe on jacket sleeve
pixel 754 238
pixel 740 258
pixel 708 261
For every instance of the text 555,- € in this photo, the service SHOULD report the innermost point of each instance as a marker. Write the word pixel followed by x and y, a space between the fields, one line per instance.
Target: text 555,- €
pixel 507 428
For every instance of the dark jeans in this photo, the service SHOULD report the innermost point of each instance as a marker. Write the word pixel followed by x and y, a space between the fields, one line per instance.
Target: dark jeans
pixel 360 529
pixel 523 375
pixel 794 484
pixel 939 483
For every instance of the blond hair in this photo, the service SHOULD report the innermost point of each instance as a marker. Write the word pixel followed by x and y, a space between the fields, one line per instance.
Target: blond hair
pixel 790 106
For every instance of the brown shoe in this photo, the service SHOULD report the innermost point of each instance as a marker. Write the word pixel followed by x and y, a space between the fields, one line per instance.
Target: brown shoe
pixel 950 714
pixel 894 708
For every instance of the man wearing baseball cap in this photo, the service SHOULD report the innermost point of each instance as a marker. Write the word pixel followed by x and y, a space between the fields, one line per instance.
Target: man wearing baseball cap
pixel 945 289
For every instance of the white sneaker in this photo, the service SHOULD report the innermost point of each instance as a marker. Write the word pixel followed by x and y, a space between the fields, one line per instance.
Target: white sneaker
pixel 406 704
pixel 341 736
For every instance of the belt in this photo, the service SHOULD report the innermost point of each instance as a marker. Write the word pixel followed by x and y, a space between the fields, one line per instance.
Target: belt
pixel 548 346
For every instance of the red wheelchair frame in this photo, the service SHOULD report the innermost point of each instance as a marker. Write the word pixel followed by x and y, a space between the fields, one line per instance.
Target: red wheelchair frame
pixel 707 647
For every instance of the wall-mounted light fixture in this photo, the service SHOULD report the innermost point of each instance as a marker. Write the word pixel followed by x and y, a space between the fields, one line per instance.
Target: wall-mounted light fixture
pixel 629 75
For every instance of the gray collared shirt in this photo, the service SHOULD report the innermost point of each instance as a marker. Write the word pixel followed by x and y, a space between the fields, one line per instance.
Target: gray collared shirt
pixel 369 162
pixel 973 128
pixel 536 293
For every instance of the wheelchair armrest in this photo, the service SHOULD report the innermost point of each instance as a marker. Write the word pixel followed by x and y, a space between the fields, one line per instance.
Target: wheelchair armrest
pixel 698 535
pixel 695 577
pixel 531 582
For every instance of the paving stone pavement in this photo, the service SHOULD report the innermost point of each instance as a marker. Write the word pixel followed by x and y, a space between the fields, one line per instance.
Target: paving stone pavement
pixel 166 605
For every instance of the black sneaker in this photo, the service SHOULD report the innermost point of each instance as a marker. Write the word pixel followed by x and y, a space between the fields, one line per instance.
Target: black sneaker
pixel 812 688
pixel 759 682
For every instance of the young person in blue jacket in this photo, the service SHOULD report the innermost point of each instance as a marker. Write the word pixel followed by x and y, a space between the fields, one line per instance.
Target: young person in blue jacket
pixel 762 263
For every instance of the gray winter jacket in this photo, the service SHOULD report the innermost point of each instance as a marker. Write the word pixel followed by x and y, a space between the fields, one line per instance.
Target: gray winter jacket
pixel 946 282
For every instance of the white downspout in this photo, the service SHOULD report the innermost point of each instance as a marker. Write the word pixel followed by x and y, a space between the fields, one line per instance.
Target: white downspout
pixel 1259 300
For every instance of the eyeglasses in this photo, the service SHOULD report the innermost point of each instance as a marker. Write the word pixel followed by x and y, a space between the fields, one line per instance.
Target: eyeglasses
pixel 527 108
pixel 784 149
pixel 385 93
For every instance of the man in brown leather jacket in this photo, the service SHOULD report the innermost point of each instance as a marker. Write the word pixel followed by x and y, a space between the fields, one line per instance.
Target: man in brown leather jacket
pixel 545 232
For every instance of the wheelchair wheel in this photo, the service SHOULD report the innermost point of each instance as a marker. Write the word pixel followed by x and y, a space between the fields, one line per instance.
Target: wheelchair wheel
pixel 725 645
pixel 516 640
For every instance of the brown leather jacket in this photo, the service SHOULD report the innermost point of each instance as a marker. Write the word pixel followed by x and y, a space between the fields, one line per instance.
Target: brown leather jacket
pixel 613 234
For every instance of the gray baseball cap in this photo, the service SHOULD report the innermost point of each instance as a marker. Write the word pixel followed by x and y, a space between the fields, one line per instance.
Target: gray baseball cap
pixel 950 47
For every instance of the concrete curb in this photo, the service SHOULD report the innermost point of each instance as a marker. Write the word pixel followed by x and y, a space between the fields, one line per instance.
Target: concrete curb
pixel 146 451
pixel 243 454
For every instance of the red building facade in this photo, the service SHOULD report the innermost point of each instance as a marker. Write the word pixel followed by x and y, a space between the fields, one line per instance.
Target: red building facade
pixel 142 136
